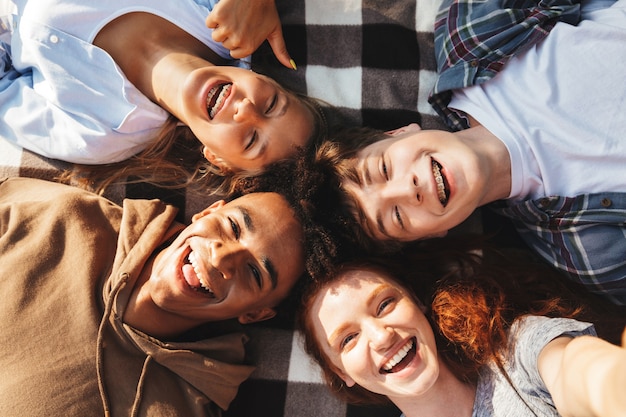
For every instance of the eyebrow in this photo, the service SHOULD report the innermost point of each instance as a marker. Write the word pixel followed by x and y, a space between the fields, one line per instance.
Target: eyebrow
pixel 267 263
pixel 370 299
pixel 380 224
pixel 287 103
pixel 280 113
pixel 367 176
pixel 272 271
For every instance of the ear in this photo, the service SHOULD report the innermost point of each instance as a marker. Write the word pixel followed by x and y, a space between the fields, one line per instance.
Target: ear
pixel 413 127
pixel 213 207
pixel 348 381
pixel 265 313
pixel 214 159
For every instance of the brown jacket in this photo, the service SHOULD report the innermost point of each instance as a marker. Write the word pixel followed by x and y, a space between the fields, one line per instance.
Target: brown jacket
pixel 68 262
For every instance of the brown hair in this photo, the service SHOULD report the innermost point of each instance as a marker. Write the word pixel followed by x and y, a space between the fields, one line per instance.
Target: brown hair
pixel 337 156
pixel 473 300
pixel 174 160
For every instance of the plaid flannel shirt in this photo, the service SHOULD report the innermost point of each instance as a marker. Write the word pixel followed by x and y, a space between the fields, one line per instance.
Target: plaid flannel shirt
pixel 475 38
pixel 584 236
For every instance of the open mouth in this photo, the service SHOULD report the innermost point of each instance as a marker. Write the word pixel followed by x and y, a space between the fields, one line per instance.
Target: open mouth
pixel 216 97
pixel 443 188
pixel 197 281
pixel 401 359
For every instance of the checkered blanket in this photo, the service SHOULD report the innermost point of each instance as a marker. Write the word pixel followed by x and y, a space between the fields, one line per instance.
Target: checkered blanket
pixel 374 61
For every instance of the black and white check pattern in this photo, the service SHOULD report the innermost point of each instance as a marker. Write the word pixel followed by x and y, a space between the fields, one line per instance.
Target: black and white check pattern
pixel 374 61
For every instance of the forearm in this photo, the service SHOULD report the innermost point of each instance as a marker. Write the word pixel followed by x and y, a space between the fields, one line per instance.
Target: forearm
pixel 592 380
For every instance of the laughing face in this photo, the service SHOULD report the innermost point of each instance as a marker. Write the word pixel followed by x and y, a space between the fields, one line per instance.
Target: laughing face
pixel 416 185
pixel 244 120
pixel 237 259
pixel 375 335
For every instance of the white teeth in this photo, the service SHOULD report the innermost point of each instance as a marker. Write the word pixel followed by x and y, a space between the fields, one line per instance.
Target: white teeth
pixel 223 91
pixel 398 356
pixel 441 187
pixel 199 274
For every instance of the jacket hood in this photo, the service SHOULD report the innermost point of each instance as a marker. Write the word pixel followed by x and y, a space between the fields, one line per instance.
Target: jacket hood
pixel 212 366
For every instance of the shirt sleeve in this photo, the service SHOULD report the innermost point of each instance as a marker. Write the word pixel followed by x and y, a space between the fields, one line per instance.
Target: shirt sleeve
pixel 531 334
pixel 44 128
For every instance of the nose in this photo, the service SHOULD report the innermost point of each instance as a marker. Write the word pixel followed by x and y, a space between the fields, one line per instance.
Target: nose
pixel 379 335
pixel 246 110
pixel 227 258
pixel 404 188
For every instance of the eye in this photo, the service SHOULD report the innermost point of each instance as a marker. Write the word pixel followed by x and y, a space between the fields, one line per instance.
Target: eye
pixel 346 340
pixel 384 169
pixel 272 104
pixel 252 141
pixel 383 306
pixel 235 227
pixel 398 216
pixel 257 275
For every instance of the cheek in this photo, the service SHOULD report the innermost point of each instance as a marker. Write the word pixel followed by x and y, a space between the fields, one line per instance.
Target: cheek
pixel 219 137
pixel 355 363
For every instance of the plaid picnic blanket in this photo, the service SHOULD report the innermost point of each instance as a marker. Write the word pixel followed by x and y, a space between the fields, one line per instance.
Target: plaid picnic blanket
pixel 374 61
pixel 371 59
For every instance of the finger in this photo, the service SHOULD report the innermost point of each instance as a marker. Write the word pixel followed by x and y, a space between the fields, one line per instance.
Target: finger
pixel 277 42
pixel 220 35
pixel 238 53
pixel 211 22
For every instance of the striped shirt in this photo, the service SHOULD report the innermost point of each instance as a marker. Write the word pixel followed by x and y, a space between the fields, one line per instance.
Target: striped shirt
pixel 583 236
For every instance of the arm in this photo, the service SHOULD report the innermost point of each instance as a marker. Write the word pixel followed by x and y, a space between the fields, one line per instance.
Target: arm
pixel 586 376
pixel 243 25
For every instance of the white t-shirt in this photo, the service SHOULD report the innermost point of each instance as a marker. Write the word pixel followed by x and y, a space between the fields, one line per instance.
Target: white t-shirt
pixel 560 108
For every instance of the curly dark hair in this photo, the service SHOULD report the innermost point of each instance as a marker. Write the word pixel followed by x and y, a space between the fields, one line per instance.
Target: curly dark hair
pixel 331 233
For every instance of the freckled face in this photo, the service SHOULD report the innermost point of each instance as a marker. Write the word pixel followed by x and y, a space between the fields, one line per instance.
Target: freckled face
pixel 417 185
pixel 375 335
pixel 235 258
pixel 245 120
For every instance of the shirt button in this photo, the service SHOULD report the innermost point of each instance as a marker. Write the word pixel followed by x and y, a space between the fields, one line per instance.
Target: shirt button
pixel 544 202
pixel 606 202
pixel 474 64
pixel 54 38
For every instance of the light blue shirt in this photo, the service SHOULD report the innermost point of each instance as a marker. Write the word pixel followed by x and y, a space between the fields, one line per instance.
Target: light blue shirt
pixel 63 97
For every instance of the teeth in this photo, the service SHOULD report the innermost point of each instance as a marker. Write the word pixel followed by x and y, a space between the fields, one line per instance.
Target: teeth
pixel 199 274
pixel 398 356
pixel 441 186
pixel 222 92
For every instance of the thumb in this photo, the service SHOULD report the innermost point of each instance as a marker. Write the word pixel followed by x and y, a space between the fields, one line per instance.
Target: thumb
pixel 277 42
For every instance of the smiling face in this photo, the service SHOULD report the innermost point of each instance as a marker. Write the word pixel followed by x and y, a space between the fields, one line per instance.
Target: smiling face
pixel 375 335
pixel 237 259
pixel 244 120
pixel 416 184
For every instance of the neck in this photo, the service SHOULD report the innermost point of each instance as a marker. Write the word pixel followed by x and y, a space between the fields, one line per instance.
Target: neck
pixel 153 52
pixel 449 397
pixel 494 160
pixel 143 314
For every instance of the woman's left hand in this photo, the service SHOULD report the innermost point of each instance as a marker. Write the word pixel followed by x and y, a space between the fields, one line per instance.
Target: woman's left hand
pixel 243 25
